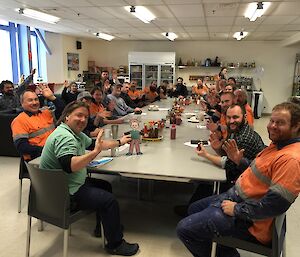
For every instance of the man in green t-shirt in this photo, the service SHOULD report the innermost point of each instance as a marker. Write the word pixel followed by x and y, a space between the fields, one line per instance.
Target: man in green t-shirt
pixel 65 149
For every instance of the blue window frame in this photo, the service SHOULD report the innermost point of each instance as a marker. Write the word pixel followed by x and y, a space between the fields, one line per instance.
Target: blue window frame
pixel 25 52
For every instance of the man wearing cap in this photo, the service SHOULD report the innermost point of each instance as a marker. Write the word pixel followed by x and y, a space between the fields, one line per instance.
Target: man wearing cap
pixel 31 127
pixel 120 108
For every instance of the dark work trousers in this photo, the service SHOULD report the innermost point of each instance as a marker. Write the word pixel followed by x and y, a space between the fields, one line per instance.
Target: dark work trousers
pixel 207 220
pixel 96 194
pixel 205 189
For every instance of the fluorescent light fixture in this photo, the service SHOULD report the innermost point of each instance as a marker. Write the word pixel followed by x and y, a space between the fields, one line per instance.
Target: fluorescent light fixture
pixel 104 36
pixel 240 35
pixel 170 35
pixel 38 15
pixel 141 13
pixel 256 10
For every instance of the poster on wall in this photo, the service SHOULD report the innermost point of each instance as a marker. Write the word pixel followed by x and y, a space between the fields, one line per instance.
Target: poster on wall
pixel 73 61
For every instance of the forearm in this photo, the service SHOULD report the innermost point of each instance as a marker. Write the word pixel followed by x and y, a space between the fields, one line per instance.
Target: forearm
pixel 79 162
pixel 24 148
pixel 271 205
pixel 215 159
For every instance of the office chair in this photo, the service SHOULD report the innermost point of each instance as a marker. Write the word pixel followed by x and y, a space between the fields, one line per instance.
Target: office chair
pixel 23 173
pixel 276 248
pixel 49 201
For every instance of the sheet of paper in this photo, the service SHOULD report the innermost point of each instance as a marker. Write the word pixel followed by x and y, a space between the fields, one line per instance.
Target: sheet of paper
pixel 100 162
pixel 163 109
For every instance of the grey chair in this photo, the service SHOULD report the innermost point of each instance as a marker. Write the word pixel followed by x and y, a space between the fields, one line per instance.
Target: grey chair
pixel 49 201
pixel 276 248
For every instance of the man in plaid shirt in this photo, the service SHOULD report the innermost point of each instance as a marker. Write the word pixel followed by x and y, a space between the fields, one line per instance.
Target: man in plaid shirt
pixel 239 133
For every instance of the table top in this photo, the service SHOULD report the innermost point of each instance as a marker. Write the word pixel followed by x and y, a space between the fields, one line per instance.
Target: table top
pixel 166 159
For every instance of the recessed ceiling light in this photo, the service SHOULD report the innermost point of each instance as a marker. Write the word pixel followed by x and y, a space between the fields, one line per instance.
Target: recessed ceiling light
pixel 38 15
pixel 141 13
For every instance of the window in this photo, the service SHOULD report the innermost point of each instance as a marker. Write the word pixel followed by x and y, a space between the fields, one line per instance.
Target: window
pixel 14 52
pixel 6 72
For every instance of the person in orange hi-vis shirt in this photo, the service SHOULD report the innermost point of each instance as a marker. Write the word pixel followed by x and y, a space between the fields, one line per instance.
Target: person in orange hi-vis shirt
pixel 241 98
pixel 31 128
pixel 266 189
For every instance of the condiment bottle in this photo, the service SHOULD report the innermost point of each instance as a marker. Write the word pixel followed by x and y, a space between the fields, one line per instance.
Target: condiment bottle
pixel 173 131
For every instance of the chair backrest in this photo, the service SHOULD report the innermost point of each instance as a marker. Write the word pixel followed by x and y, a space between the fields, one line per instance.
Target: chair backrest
pixel 49 198
pixel 278 234
pixel 274 250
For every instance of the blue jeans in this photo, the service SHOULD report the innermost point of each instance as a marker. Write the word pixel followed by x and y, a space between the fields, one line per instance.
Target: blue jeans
pixel 207 220
pixel 96 195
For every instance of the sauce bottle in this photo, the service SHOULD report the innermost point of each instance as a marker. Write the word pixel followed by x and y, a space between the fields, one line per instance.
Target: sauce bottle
pixel 173 131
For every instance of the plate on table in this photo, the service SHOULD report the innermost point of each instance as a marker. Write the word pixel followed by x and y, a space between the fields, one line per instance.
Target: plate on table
pixel 153 108
pixel 153 139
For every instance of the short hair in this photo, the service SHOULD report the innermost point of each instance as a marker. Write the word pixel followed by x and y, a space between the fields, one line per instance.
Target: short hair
pixel 116 86
pixel 180 78
pixel 104 71
pixel 232 78
pixel 165 81
pixel 96 88
pixel 227 93
pixel 292 108
pixel 70 108
pixel 23 93
pixel 5 82
pixel 241 106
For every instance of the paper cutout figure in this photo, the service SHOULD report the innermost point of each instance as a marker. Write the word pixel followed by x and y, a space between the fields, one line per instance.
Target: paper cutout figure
pixel 135 137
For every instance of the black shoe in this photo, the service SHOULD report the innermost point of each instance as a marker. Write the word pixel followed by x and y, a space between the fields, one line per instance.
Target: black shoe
pixel 139 153
pixel 125 249
pixel 181 210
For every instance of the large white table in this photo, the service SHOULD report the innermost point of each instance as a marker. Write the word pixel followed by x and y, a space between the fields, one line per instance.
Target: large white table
pixel 168 160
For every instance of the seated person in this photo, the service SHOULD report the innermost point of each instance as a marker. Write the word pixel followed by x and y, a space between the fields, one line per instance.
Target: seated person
pixel 267 188
pixel 150 92
pixel 180 89
pixel 162 89
pixel 244 137
pixel 9 99
pixel 65 149
pixel 31 127
pixel 231 81
pixel 199 89
pixel 229 88
pixel 124 94
pixel 98 112
pixel 241 98
pixel 70 92
pixel 120 107
pixel 134 94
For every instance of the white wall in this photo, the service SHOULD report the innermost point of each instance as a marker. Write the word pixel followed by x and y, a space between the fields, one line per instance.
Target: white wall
pixel 60 45
pixel 277 61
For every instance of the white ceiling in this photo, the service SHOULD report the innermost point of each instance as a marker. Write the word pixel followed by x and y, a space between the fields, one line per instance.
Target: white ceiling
pixel 189 19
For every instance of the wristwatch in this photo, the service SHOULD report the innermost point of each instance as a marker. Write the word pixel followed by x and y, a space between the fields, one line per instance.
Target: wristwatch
pixel 119 142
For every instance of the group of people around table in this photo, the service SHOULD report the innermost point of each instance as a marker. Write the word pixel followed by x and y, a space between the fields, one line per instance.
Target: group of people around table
pixel 262 182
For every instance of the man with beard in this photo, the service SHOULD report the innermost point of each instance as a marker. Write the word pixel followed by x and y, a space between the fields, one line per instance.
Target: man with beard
pixel 180 89
pixel 247 140
pixel 241 98
pixel 9 100
pixel 266 189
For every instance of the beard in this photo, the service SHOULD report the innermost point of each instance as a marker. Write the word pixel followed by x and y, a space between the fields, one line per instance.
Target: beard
pixel 9 93
pixel 237 124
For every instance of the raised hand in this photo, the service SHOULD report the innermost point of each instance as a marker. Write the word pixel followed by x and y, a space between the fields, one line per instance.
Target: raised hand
pixel 215 141
pixel 99 141
pixel 232 151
